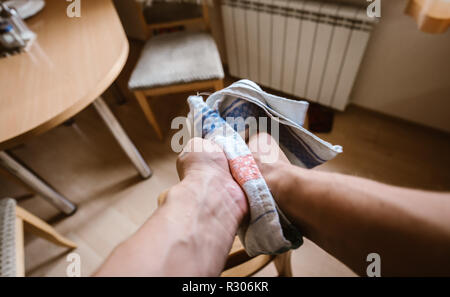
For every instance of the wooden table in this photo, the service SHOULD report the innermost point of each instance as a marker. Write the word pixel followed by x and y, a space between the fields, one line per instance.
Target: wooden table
pixel 70 65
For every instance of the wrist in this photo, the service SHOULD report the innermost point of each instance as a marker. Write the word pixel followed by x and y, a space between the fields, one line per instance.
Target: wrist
pixel 202 223
pixel 298 193
pixel 279 178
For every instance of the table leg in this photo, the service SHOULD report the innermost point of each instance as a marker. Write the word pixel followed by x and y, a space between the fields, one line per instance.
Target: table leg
pixel 36 184
pixel 122 138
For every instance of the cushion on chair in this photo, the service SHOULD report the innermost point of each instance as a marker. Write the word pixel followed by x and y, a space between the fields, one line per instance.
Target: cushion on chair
pixel 177 58
pixel 7 237
pixel 166 12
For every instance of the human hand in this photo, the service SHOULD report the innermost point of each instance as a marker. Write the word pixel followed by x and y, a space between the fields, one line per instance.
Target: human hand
pixel 203 166
pixel 193 230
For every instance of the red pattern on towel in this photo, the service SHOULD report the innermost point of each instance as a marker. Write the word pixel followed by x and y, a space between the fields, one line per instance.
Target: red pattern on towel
pixel 244 168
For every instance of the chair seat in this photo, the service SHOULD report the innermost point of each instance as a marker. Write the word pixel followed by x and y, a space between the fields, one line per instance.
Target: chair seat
pixel 177 58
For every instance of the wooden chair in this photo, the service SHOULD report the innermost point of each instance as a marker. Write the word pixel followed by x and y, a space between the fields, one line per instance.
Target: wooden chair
pixel 239 264
pixel 13 219
pixel 175 62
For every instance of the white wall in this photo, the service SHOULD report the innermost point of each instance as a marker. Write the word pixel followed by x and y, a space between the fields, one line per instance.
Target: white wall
pixel 406 72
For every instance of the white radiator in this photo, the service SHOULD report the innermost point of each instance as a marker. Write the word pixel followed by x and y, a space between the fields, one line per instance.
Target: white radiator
pixel 308 49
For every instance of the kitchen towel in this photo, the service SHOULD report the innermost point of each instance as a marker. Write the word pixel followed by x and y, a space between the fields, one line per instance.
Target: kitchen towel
pixel 268 231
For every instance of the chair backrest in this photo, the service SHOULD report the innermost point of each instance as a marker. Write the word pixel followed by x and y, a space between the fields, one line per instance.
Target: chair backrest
pixel 165 15
pixel 8 263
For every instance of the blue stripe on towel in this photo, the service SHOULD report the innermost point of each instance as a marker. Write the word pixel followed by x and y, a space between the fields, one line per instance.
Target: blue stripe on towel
pixel 261 215
pixel 290 140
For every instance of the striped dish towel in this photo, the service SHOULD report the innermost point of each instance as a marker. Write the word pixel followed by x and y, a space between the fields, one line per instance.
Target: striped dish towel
pixel 268 230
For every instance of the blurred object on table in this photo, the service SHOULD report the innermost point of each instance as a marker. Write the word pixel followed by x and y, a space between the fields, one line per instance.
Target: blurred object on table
pixel 15 34
pixel 26 8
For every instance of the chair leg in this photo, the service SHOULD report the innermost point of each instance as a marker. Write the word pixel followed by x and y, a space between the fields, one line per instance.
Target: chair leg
pixel 142 100
pixel 122 138
pixel 20 254
pixel 40 228
pixel 283 264
pixel 218 85
pixel 36 184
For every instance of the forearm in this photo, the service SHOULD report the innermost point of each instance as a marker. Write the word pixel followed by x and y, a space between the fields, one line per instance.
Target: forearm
pixel 189 235
pixel 351 217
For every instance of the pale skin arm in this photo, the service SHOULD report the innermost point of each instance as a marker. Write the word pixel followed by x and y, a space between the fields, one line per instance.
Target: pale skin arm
pixel 192 232
pixel 347 216
pixel 351 217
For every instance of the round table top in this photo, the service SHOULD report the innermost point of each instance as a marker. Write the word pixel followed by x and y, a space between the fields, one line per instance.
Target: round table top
pixel 71 63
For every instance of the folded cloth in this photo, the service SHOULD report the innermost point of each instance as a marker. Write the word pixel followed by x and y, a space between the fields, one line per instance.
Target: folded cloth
pixel 268 230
